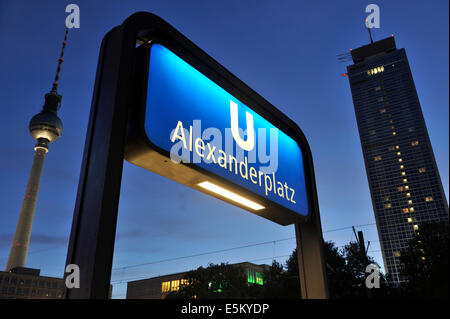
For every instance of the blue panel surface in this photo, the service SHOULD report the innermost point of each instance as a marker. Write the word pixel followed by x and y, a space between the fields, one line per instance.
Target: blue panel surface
pixel 183 105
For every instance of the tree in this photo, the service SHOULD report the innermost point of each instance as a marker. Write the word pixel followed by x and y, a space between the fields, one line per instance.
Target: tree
pixel 340 279
pixel 274 278
pixel 283 282
pixel 425 262
pixel 346 273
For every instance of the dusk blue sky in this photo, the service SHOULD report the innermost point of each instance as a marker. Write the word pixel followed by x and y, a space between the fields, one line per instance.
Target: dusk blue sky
pixel 284 50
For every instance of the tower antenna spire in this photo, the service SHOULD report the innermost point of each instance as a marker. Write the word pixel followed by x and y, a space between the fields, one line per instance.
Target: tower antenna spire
pixel 60 61
pixel 368 29
pixel 370 34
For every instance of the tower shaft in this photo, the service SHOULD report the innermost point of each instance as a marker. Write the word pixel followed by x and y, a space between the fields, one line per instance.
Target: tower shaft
pixel 19 247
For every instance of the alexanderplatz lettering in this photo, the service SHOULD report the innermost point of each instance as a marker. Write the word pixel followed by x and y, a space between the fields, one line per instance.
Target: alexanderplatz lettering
pixel 207 152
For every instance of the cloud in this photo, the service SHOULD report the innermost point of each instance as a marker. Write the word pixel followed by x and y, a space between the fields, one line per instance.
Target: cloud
pixel 136 233
pixel 41 239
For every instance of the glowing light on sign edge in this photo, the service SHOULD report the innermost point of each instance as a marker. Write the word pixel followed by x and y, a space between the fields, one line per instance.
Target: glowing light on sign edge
pixel 230 195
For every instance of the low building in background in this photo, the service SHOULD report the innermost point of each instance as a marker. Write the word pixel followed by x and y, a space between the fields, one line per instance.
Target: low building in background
pixel 27 283
pixel 160 287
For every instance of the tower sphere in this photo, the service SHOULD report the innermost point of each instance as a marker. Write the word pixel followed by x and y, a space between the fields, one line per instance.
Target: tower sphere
pixel 46 124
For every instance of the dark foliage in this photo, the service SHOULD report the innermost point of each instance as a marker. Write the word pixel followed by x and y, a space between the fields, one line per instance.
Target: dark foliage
pixel 425 262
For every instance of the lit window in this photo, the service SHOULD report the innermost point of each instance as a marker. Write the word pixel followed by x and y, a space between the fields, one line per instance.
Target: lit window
pixel 387 205
pixel 411 209
pixel 410 201
pixel 405 180
pixel 184 282
pixel 391 148
pixel 423 258
pixel 410 220
pixel 378 87
pixel 428 198
pixel 402 167
pixel 408 194
pixel 259 278
pixel 383 111
pixel 405 210
pixel 415 143
pixel 403 173
pixel 400 160
pixel 397 147
pixel 394 133
pixel 251 276
pixel 406 187
pixel 400 188
pixel 175 285
pixel 416 227
pixel 165 286
pixel 422 170
pixel 396 254
pixel 398 153
pixel 377 158
pixel 376 70
pixel 386 198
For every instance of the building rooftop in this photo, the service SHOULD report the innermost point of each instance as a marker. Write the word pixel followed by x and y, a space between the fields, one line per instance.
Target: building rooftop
pixel 242 264
pixel 377 47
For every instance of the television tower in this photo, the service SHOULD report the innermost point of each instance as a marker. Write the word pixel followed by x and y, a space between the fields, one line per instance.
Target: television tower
pixel 45 127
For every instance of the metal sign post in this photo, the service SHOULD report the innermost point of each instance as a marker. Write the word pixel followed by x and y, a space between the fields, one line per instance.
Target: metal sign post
pixel 91 245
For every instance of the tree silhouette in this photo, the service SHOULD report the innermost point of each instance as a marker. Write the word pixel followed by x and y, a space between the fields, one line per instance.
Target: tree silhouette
pixel 425 263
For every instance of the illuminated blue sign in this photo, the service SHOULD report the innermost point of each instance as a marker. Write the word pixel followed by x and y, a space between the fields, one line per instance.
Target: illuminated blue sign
pixel 200 125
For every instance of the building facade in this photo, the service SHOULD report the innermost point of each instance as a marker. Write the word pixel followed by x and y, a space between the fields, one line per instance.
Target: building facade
pixel 404 181
pixel 26 283
pixel 160 287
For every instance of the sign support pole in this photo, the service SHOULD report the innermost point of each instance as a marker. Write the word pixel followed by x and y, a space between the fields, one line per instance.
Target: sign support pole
pixel 310 255
pixel 312 272
pixel 92 237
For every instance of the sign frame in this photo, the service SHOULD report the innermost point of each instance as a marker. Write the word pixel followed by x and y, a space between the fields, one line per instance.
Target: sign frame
pixel 140 150
pixel 92 238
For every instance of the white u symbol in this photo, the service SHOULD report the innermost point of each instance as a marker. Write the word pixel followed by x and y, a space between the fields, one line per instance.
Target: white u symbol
pixel 249 144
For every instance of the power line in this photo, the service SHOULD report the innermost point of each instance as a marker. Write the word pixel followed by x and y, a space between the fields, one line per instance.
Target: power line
pixel 348 227
pixel 119 281
pixel 227 249
pixel 202 254
pixel 221 250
